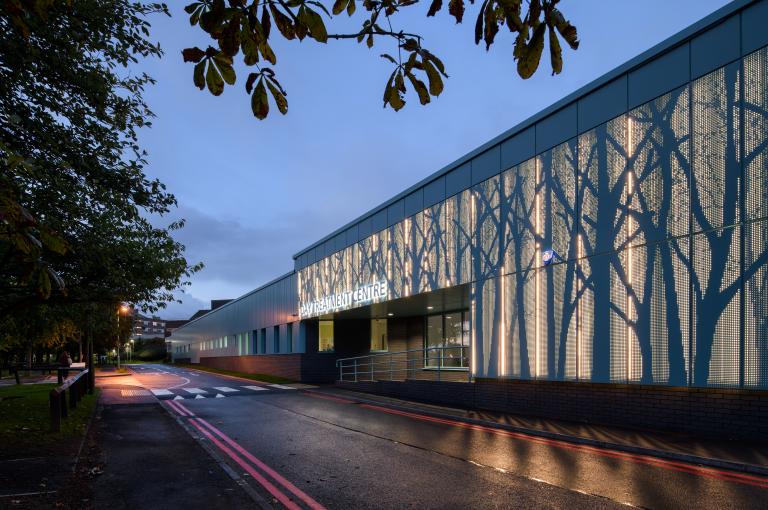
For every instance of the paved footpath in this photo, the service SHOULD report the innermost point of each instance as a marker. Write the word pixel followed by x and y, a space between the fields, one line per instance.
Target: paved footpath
pixel 290 446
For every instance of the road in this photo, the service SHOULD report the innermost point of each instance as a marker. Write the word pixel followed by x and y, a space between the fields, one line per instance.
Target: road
pixel 311 448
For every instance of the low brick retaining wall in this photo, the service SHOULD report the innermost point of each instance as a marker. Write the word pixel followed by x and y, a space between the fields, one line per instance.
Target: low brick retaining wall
pixel 722 413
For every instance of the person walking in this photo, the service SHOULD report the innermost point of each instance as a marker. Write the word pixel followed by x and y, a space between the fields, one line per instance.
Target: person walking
pixel 65 361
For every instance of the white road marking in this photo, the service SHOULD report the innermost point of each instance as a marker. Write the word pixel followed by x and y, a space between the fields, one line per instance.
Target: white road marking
pixel 186 381
pixel 160 392
pixel 225 389
pixel 198 396
pixel 178 397
pixel 280 386
pixel 194 391
pixel 255 388
pixel 218 395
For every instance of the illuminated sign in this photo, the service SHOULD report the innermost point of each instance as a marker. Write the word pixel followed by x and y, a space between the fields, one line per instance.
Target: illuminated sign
pixel 348 299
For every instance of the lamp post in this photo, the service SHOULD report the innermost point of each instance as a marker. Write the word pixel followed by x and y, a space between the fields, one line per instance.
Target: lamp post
pixel 123 309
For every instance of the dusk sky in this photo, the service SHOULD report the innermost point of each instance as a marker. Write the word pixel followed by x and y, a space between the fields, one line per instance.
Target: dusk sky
pixel 256 192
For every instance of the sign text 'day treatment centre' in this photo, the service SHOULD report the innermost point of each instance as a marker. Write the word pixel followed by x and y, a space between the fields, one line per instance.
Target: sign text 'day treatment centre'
pixel 375 291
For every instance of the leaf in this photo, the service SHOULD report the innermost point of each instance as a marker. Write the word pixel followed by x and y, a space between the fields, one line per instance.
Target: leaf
pixel 266 23
pixel 456 9
pixel 435 6
pixel 267 53
pixel 280 101
pixel 259 102
pixel 491 26
pixel 435 81
pixel 283 22
pixel 389 57
pixel 192 54
pixel 315 24
pixel 351 8
pixel 198 76
pixel 214 80
pixel 338 7
pixel 479 22
pixel 249 82
pixel 369 41
pixel 436 61
pixel 229 41
pixel 565 28
pixel 529 62
pixel 421 89
pixel 224 63
pixel 555 52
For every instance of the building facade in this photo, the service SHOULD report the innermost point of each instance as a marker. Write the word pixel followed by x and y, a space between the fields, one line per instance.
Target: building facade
pixel 614 244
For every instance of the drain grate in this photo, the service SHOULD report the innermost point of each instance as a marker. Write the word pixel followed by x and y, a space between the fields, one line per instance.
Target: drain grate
pixel 134 393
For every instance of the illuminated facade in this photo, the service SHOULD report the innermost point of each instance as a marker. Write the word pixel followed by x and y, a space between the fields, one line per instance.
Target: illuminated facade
pixel 620 236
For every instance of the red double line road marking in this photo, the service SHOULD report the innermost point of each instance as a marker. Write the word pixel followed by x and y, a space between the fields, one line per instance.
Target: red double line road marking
pixel 176 407
pixel 285 500
pixel 282 498
pixel 641 459
pixel 311 503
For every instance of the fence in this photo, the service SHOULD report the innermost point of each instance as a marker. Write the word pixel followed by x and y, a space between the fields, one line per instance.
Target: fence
pixel 433 363
pixel 78 386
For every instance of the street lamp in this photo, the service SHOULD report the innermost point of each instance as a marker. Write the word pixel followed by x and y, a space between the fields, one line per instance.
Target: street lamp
pixel 124 309
pixel 131 358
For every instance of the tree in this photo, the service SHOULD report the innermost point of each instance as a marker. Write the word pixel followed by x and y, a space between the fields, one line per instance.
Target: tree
pixel 246 26
pixel 75 202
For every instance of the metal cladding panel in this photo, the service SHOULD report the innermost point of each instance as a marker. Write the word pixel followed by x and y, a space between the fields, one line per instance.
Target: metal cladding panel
pixel 351 235
pixel 379 221
pixel 603 104
pixel 458 179
pixel 518 148
pixel 339 242
pixel 754 19
pixel 486 165
pixel 395 212
pixel 557 128
pixel 414 202
pixel 716 47
pixel 660 75
pixel 434 192
pixel 364 228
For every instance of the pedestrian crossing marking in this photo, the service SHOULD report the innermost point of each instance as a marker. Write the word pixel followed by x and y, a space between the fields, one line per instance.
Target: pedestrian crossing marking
pixel 225 389
pixel 198 396
pixel 219 395
pixel 178 397
pixel 281 387
pixel 160 392
pixel 194 391
pixel 255 388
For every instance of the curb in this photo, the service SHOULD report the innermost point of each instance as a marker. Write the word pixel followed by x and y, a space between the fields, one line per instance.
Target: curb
pixel 234 377
pixel 638 450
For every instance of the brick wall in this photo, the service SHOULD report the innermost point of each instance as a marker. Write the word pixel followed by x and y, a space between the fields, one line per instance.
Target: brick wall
pixel 281 365
pixel 721 413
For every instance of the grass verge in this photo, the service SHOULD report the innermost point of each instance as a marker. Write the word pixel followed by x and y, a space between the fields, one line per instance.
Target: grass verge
pixel 25 419
pixel 256 377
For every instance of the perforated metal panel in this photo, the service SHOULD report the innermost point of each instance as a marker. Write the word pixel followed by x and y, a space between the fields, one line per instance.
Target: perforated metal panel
pixel 756 135
pixel 716 164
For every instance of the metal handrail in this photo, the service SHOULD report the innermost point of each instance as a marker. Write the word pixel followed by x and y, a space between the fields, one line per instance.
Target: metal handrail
pixel 384 365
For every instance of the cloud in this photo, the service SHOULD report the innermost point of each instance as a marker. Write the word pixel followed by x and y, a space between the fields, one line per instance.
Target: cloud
pixel 238 257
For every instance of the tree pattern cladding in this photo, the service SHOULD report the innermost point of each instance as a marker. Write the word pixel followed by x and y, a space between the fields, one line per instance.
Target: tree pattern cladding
pixel 658 222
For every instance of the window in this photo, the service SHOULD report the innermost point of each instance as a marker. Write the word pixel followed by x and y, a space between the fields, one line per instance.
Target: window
pixel 263 342
pixel 379 335
pixel 276 339
pixel 325 343
pixel 289 337
pixel 447 340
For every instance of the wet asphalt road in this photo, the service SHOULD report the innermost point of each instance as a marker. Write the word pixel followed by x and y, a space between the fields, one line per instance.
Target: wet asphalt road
pixel 343 454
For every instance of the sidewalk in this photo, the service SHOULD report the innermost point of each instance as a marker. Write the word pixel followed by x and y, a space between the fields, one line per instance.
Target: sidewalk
pixel 148 461
pixel 751 458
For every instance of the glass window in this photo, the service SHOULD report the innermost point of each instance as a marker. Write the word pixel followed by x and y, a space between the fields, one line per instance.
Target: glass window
pixel 434 339
pixel 447 339
pixel 289 337
pixel 276 339
pixel 263 341
pixel 379 335
pixel 325 337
